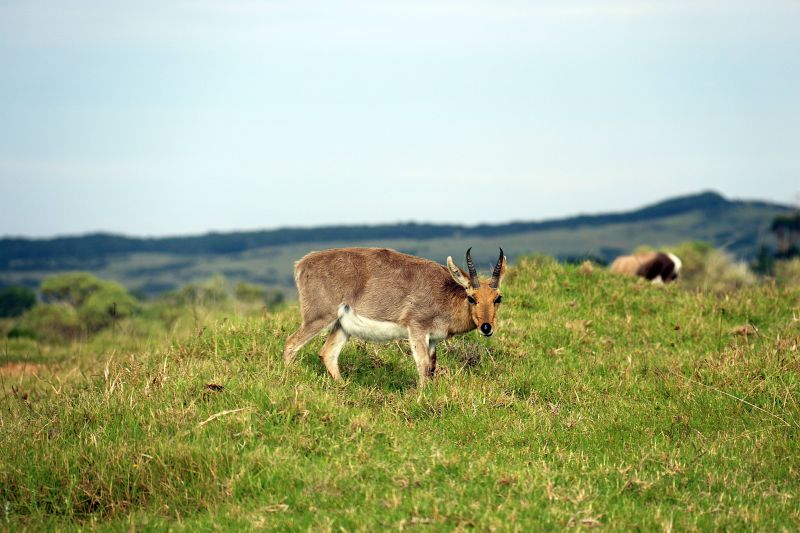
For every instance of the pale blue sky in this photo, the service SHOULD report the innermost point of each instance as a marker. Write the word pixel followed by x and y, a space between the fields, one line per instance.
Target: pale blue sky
pixel 180 117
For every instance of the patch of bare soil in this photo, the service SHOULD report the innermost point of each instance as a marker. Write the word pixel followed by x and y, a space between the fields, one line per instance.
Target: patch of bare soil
pixel 17 368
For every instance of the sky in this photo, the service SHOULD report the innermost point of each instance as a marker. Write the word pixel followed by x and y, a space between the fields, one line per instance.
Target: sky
pixel 180 117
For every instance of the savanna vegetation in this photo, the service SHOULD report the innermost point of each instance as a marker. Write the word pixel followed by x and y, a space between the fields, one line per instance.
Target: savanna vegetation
pixel 151 266
pixel 602 401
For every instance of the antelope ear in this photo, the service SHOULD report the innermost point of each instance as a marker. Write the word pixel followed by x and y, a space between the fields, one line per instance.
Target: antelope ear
pixel 459 276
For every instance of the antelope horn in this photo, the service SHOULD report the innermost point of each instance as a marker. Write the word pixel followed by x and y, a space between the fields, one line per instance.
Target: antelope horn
pixel 473 274
pixel 496 274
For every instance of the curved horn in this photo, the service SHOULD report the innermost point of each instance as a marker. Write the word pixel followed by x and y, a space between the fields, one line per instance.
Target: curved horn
pixel 473 274
pixel 497 270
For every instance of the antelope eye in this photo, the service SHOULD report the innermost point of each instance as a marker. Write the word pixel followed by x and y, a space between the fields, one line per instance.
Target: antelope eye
pixel 471 300
pixel 498 300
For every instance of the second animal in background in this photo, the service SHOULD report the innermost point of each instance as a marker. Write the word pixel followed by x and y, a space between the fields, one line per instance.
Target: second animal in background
pixel 658 267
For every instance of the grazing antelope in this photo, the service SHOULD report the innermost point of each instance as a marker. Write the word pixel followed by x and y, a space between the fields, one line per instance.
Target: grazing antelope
pixel 379 294
pixel 655 266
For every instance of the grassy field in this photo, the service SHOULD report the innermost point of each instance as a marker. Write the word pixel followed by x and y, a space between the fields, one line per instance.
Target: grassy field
pixel 602 401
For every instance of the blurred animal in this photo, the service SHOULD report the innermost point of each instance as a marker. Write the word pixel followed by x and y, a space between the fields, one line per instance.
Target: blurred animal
pixel 379 294
pixel 658 267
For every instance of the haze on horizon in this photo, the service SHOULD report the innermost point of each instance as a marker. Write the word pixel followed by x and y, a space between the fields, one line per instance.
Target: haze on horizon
pixel 182 117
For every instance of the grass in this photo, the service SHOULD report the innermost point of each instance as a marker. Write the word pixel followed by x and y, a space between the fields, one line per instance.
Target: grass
pixel 601 401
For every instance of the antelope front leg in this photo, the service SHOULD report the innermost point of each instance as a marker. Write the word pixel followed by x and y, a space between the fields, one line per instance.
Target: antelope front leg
pixel 432 356
pixel 419 347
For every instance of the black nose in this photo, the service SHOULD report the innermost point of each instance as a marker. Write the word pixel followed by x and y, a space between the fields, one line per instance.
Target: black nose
pixel 486 329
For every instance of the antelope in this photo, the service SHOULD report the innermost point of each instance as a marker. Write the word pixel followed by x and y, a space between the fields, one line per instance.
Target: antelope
pixel 378 294
pixel 658 267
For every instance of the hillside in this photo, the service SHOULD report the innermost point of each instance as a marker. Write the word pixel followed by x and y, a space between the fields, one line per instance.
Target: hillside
pixel 601 401
pixel 152 265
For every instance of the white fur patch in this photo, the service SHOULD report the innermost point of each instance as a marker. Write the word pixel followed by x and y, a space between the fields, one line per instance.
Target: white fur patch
pixel 436 336
pixel 677 261
pixel 368 329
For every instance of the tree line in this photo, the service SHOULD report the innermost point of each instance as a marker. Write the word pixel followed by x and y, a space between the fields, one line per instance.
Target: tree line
pixel 56 253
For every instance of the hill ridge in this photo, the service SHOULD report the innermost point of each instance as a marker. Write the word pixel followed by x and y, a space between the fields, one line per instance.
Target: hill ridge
pixel 103 244
pixel 154 265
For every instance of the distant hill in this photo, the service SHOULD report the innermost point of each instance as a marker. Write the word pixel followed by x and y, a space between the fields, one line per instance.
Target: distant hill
pixel 152 265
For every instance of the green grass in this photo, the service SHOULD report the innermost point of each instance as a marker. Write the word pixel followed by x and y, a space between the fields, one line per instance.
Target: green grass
pixel 601 401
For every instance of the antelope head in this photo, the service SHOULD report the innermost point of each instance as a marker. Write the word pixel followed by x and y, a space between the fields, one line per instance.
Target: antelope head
pixel 483 296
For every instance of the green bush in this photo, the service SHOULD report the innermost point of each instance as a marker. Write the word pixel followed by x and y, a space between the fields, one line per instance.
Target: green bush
pixel 76 302
pixel 104 307
pixel 705 267
pixel 251 293
pixel 764 262
pixel 52 322
pixel 211 293
pixel 15 300
pixel 787 273
pixel 273 299
pixel 72 288
pixel 723 273
pixel 215 290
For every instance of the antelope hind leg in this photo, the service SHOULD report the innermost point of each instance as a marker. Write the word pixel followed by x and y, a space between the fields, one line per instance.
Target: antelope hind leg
pixel 300 338
pixel 331 349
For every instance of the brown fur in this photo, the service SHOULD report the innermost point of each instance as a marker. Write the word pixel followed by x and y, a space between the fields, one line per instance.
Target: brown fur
pixel 384 285
pixel 631 264
pixel 654 266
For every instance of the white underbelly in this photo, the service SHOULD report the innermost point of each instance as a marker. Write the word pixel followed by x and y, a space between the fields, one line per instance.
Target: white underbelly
pixel 368 329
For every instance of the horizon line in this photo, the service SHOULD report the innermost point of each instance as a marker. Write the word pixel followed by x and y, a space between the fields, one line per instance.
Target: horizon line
pixel 205 233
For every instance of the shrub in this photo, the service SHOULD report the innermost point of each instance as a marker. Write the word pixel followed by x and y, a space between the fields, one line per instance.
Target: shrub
pixel 56 321
pixel 215 290
pixel 248 292
pixel 273 299
pixel 786 229
pixel 723 273
pixel 211 293
pixel 15 300
pixel 764 262
pixel 708 268
pixel 72 288
pixel 18 332
pixel 104 307
pixel 75 302
pixel 787 273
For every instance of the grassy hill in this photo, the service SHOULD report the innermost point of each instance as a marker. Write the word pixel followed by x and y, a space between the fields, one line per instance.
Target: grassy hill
pixel 150 266
pixel 601 401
